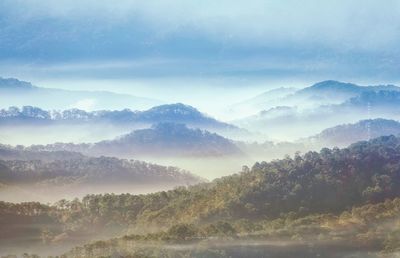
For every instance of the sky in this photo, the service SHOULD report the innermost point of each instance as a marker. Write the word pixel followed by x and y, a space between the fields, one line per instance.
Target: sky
pixel 192 51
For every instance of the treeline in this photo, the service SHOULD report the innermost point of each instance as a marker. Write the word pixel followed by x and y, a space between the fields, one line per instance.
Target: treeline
pixel 373 228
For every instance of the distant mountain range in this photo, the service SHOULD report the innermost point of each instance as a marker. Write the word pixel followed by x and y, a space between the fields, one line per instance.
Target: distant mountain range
pixel 324 105
pixel 337 136
pixel 81 126
pixel 286 114
pixel 14 92
pixel 321 93
pixel 175 113
pixel 262 101
pixel 344 135
pixel 330 92
pixel 163 139
pixel 331 89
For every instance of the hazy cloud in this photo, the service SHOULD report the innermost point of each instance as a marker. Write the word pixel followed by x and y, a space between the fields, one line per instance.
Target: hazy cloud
pixel 207 38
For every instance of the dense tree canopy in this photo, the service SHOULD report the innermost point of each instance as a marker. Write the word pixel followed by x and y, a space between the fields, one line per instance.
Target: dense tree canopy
pixel 331 181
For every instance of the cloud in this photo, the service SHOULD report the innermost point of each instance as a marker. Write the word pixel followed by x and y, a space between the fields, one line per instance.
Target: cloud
pixel 351 39
pixel 366 24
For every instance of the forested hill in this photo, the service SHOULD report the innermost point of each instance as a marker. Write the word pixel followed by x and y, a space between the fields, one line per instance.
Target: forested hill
pixel 330 181
pixel 344 135
pixel 161 140
pixel 89 170
pixel 8 152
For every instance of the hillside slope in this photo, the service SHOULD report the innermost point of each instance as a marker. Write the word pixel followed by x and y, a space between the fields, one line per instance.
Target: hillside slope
pixel 329 182
pixel 163 139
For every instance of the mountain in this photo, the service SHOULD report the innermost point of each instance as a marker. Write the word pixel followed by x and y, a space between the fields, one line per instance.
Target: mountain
pixel 81 126
pixel 262 101
pixel 162 139
pixel 333 92
pixel 343 88
pixel 337 136
pixel 14 92
pixel 175 113
pixel 346 197
pixel 89 170
pixel 8 152
pixel 347 103
pixel 327 92
pixel 50 176
pixel 365 172
pixel 344 135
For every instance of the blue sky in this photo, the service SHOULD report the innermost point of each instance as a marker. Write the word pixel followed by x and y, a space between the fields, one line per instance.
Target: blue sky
pixel 234 43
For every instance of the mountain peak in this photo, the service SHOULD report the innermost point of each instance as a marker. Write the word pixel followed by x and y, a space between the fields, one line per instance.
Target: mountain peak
pixel 176 108
pixel 332 84
pixel 174 113
pixel 169 139
pixel 345 134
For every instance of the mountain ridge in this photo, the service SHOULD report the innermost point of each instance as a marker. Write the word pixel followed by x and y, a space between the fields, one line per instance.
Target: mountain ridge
pixel 177 112
pixel 165 139
pixel 346 134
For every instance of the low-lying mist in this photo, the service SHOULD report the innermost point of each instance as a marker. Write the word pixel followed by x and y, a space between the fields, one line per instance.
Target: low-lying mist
pixel 215 248
pixel 206 167
pixel 52 194
pixel 47 134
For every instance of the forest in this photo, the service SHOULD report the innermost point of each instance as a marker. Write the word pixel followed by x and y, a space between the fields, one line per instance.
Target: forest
pixel 337 194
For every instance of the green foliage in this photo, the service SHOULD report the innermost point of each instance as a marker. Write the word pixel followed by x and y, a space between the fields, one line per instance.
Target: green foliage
pixel 182 232
pixel 273 197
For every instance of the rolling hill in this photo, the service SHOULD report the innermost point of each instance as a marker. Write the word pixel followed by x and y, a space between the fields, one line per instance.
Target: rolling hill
pixel 79 125
pixel 345 195
pixel 324 105
pixel 163 139
pixel 171 113
pixel 327 92
pixel 50 176
pixel 344 135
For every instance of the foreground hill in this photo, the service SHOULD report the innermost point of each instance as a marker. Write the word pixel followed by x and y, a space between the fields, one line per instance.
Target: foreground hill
pixel 329 182
pixel 368 231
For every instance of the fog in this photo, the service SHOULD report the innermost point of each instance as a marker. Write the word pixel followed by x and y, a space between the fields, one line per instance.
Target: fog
pixel 217 248
pixel 47 134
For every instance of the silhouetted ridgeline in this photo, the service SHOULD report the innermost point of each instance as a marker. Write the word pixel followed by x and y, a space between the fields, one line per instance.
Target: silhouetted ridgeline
pixel 163 139
pixel 171 113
